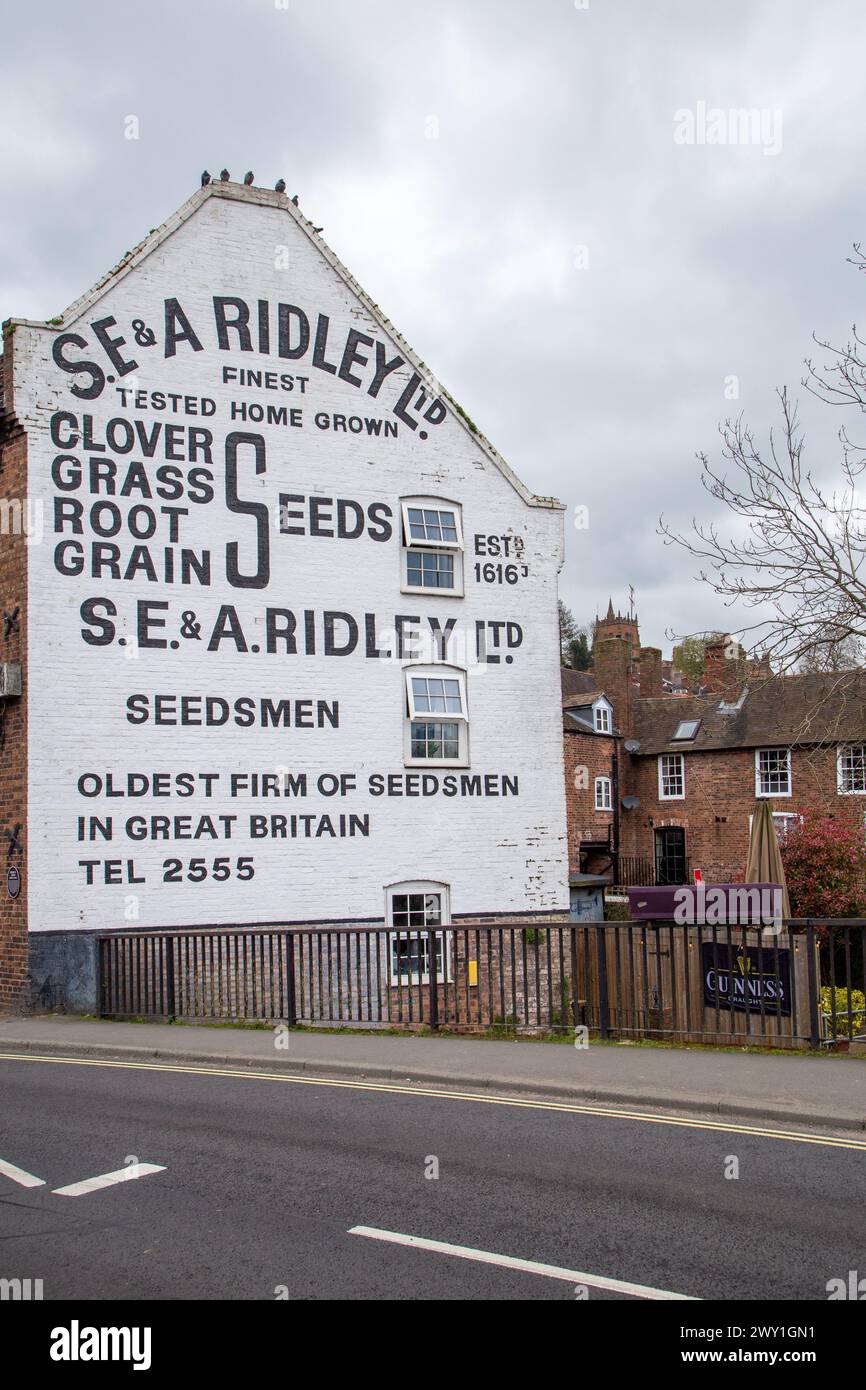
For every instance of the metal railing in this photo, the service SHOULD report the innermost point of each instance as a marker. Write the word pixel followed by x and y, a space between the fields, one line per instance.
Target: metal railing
pixel 803 987
pixel 841 948
pixel 637 872
pixel 485 977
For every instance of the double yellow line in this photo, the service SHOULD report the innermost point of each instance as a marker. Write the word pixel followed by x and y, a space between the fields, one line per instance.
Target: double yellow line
pixel 436 1093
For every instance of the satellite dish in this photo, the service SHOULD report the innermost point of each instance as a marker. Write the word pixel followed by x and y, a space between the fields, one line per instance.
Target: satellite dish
pixel 631 803
pixel 631 745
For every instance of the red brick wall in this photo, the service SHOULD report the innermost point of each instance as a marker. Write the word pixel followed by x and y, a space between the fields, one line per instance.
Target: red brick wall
pixel 650 672
pixel 587 756
pixel 614 673
pixel 724 670
pixel 14 990
pixel 720 797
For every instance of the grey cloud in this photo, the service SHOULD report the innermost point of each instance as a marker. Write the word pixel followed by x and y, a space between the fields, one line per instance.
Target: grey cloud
pixel 555 131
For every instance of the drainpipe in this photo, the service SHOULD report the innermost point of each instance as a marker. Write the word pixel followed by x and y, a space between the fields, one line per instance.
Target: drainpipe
pixel 614 778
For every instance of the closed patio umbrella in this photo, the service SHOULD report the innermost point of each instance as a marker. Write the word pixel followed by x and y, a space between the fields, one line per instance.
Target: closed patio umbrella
pixel 764 864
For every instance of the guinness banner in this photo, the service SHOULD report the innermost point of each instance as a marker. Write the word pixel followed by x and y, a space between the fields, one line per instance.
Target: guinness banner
pixel 740 977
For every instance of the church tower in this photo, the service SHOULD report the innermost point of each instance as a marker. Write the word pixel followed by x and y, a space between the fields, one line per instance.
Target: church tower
pixel 619 625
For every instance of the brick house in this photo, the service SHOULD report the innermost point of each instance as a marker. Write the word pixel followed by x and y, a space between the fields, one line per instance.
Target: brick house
pixel 672 786
pixel 591 744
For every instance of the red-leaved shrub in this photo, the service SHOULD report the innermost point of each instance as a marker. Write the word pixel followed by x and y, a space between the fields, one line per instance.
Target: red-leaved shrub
pixel 825 863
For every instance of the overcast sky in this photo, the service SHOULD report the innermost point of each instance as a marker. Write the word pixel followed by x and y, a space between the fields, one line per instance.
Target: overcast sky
pixel 510 181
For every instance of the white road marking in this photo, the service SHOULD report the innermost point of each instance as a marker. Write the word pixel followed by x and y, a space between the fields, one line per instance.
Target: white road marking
pixel 489 1257
pixel 611 1111
pixel 132 1170
pixel 8 1170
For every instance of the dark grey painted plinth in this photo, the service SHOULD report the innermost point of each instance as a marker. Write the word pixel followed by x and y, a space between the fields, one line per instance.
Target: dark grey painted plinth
pixel 63 971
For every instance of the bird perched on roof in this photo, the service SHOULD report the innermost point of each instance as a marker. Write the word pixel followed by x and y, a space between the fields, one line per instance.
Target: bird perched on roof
pixel 318 229
pixel 248 177
pixel 205 179
pixel 295 199
pixel 224 175
pixel 280 186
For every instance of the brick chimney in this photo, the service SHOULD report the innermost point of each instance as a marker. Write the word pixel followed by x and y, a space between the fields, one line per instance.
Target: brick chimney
pixel 612 668
pixel 650 672
pixel 760 666
pixel 723 668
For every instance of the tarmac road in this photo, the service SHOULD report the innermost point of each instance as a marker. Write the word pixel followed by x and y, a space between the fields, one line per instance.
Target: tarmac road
pixel 263 1179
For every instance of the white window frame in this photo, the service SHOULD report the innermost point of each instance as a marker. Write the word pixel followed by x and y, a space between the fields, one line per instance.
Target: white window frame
pixel 602 714
pixel 416 716
pixel 767 795
pixel 782 820
pixel 842 750
pixel 423 546
pixel 422 976
pixel 672 796
pixel 604 785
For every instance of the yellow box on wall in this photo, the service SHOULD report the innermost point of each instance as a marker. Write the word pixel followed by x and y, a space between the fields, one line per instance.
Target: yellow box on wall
pixel 473 972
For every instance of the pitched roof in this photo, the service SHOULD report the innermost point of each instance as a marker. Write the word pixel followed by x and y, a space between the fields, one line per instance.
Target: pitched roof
pixel 580 721
pixel 783 710
pixel 575 682
pixel 264 197
pixel 577 715
pixel 582 701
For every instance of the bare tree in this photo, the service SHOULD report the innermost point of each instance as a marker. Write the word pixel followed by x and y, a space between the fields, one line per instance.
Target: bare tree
pixel 847 655
pixel 799 554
